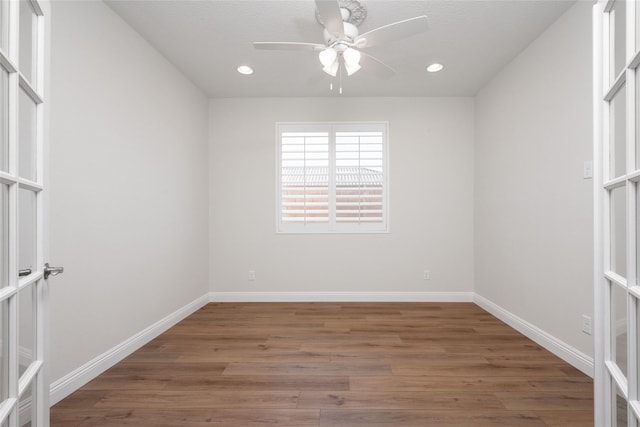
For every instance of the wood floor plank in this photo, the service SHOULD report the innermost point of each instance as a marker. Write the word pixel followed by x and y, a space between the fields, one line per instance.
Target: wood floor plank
pixel 575 383
pixel 407 358
pixel 91 417
pixel 259 383
pixel 233 417
pixel 129 382
pixel 544 359
pixel 189 417
pixel 307 369
pixel 361 346
pixel 485 370
pixel 522 347
pixel 281 356
pixel 194 399
pixel 82 398
pixel 462 385
pixel 399 418
pixel 566 418
pixel 399 400
pixel 548 401
pixel 329 339
pixel 174 368
pixel 335 364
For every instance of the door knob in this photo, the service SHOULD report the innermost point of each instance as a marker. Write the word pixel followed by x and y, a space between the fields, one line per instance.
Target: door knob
pixel 52 271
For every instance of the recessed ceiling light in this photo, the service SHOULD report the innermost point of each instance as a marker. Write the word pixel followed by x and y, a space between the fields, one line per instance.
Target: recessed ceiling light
pixel 434 68
pixel 245 69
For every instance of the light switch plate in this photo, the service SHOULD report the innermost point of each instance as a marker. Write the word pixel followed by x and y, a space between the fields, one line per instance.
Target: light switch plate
pixel 587 171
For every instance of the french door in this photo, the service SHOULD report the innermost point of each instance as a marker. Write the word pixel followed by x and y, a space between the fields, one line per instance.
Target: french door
pixel 24 388
pixel 616 44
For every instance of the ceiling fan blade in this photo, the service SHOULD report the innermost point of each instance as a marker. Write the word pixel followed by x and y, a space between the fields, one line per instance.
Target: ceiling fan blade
pixel 331 16
pixel 374 66
pixel 288 46
pixel 396 31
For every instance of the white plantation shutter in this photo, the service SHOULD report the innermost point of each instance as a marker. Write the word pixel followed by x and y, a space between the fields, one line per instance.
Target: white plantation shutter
pixel 359 177
pixel 305 177
pixel 332 177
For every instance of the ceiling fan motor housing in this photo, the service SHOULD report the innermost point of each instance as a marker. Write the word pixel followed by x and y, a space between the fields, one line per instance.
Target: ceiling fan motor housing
pixel 352 12
pixel 350 34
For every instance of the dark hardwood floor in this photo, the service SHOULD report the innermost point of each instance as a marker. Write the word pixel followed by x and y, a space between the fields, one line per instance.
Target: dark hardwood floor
pixel 336 364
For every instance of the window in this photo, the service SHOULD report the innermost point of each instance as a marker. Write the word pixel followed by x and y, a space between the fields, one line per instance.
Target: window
pixel 332 177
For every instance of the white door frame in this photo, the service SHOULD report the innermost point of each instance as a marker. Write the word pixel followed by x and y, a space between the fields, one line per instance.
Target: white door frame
pixel 24 345
pixel 616 73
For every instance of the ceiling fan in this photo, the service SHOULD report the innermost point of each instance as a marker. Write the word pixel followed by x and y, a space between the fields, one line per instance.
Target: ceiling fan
pixel 343 44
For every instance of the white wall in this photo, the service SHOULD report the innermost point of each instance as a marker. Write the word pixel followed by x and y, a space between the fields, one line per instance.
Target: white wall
pixel 129 210
pixel 431 193
pixel 533 209
pixel 142 208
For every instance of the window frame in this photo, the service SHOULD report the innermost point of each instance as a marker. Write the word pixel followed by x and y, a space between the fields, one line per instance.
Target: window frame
pixel 332 226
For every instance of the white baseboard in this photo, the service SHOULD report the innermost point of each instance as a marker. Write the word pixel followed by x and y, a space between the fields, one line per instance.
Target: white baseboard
pixel 341 296
pixel 85 373
pixel 561 349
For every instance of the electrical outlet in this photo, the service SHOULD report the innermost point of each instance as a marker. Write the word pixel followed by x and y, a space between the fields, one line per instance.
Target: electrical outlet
pixel 586 324
pixel 252 275
pixel 427 275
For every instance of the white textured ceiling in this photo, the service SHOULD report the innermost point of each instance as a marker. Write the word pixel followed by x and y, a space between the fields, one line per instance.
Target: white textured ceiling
pixel 208 39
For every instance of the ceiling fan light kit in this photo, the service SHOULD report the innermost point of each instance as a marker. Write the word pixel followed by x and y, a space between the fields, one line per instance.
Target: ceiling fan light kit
pixel 332 69
pixel 328 56
pixel 351 59
pixel 351 56
pixel 340 19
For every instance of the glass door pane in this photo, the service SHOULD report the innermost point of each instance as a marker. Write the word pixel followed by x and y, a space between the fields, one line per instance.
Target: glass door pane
pixel 637 118
pixel 27 136
pixel 28 40
pixel 26 414
pixel 4 235
pixel 618 134
pixel 4 120
pixel 618 217
pixel 4 25
pixel 619 327
pixel 4 365
pixel 619 410
pixel 27 351
pixel 637 233
pixel 26 336
pixel 617 23
pixel 27 230
pixel 637 28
